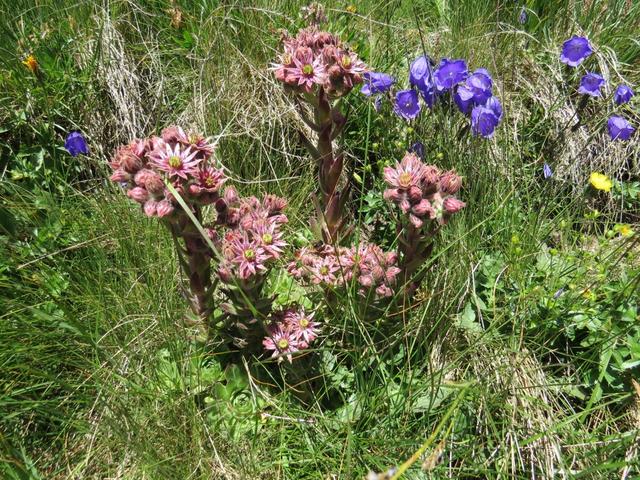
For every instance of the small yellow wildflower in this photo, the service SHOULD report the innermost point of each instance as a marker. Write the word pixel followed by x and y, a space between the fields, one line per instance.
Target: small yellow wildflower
pixel 600 181
pixel 352 9
pixel 31 63
pixel 587 294
pixel 624 230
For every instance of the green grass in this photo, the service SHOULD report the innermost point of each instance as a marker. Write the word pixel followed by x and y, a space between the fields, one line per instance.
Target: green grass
pixel 101 380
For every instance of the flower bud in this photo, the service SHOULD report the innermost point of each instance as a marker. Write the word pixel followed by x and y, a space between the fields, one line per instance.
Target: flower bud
pixel 154 184
pixel 150 208
pixel 140 178
pixel 415 221
pixel 415 194
pixel 392 195
pixel 173 134
pixel 138 194
pixel 165 208
pixel 452 205
pixel 230 195
pixel 450 182
pixel 120 175
pixel 422 208
pixel 225 274
pixel 128 160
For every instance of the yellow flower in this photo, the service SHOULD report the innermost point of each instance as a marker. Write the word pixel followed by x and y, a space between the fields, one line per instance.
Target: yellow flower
pixel 31 63
pixel 352 9
pixel 624 230
pixel 600 181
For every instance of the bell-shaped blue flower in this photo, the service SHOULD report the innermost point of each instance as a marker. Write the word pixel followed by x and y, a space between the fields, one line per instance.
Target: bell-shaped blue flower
pixel 76 144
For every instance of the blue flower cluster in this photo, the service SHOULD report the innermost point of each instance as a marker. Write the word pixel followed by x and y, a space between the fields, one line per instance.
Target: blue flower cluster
pixel 575 51
pixel 471 92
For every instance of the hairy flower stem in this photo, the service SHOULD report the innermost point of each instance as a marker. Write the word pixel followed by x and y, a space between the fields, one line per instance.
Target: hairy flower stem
pixel 414 249
pixel 195 260
pixel 328 124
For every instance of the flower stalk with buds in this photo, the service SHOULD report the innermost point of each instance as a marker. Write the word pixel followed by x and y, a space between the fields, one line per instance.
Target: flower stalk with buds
pixel 149 171
pixel 425 197
pixel 318 69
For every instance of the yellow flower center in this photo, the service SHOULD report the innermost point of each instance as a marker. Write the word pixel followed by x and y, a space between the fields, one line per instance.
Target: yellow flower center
pixel 346 61
pixel 304 322
pixel 307 69
pixel 283 343
pixel 175 161
pixel 404 179
pixel 324 270
pixel 210 182
pixel 267 238
pixel 249 254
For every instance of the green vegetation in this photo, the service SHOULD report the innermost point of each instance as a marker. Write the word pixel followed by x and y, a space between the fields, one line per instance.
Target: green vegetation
pixel 524 347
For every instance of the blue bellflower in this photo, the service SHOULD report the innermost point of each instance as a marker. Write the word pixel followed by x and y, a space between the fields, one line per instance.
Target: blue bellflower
pixel 590 84
pixel 619 128
pixel 407 104
pixel 575 51
pixel 376 82
pixel 449 73
pixel 464 98
pixel 76 144
pixel 546 171
pixel 480 83
pixel 623 94
pixel 420 72
pixel 483 121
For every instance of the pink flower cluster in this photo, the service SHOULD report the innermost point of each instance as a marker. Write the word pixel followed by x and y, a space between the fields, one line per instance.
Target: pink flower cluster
pixel 253 238
pixel 333 267
pixel 315 57
pixel 185 161
pixel 422 191
pixel 290 331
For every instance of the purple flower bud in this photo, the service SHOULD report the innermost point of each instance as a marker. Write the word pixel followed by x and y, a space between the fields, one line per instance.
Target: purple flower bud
pixel 422 208
pixel 119 176
pixel 623 94
pixel 575 51
pixel 619 128
pixel 76 144
pixel 523 16
pixel 590 84
pixel 415 221
pixel 546 170
pixel 418 149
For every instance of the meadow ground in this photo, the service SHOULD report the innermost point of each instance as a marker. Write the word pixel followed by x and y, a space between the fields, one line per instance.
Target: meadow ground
pixel 522 355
